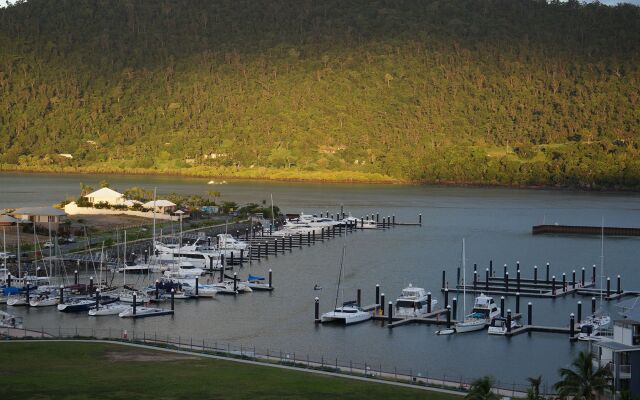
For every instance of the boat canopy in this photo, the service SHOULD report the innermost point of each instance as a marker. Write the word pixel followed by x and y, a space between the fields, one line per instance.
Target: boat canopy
pixel 255 278
pixel 11 290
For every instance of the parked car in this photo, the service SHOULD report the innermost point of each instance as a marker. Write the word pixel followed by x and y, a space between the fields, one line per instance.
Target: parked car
pixel 48 244
pixel 7 255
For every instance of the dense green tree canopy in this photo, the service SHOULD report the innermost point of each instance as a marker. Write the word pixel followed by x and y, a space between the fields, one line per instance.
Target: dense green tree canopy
pixel 467 91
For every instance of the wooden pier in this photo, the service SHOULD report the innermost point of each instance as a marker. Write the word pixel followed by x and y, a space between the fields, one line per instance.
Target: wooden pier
pixel 584 230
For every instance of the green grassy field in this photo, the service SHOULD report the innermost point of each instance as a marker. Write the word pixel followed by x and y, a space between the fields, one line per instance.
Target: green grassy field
pixel 103 371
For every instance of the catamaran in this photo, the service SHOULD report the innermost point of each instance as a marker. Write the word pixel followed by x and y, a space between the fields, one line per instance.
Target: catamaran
pixel 349 313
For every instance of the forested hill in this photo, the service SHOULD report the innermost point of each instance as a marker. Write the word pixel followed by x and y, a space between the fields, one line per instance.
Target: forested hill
pixel 515 92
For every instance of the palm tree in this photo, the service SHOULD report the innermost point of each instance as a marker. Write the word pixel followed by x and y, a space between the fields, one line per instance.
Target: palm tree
pixel 534 392
pixel 481 389
pixel 583 382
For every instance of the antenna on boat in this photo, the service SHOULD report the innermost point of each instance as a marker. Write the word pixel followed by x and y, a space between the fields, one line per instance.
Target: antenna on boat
pixel 464 282
pixel 601 257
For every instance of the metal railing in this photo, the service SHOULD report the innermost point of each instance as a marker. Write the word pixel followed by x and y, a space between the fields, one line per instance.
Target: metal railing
pixel 271 356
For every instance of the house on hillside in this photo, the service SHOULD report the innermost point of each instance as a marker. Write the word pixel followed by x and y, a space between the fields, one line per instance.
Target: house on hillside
pixel 106 195
pixel 161 206
pixel 43 216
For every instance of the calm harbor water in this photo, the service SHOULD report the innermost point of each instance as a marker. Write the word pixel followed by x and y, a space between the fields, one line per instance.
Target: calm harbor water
pixel 496 224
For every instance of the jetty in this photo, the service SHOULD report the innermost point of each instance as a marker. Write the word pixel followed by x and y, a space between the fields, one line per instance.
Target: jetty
pixel 584 230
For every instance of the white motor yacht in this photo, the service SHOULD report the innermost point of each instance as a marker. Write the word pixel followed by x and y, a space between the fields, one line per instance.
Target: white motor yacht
pixel 184 270
pixel 498 326
pixel 226 287
pixel 349 313
pixel 17 300
pixel 413 302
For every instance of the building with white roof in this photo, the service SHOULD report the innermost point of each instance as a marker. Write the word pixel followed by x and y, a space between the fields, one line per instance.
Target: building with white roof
pixel 161 206
pixel 106 195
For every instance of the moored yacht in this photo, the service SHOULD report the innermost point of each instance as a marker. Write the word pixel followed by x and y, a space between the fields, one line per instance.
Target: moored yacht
pixel 184 270
pixel 413 302
pixel 108 309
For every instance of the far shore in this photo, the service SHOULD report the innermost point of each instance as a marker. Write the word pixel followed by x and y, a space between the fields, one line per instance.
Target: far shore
pixel 297 176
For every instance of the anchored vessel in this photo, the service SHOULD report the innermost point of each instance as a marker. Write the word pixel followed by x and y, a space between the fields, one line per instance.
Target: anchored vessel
pixel 413 302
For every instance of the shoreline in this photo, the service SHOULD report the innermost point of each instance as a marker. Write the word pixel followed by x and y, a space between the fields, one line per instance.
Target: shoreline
pixel 315 177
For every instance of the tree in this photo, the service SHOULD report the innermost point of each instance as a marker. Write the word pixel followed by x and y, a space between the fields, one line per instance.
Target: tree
pixel 534 391
pixel 104 183
pixel 481 389
pixel 85 189
pixel 583 382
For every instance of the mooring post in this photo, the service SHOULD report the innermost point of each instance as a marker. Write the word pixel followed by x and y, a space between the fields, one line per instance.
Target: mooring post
pixel 97 299
pixel 211 264
pixel 358 297
pixel 582 281
pixel 270 278
pixel 458 277
pixel 564 282
pixel 529 313
pixel 157 289
pixel 518 281
pixel 490 267
pixel 508 321
pixel 593 274
pixel 75 277
pixel 235 282
pixel 9 279
pixel 317 309
pixel 506 282
pixel 579 311
pixel 446 297
pixel 393 221
pixel 593 305
pixel 444 279
pixel 535 274
pixel 173 294
pixel 390 316
pixel 27 294
pixel 548 268
pixel 553 285
pixel 378 295
pixel 475 280
pixel 504 272
pixel 619 288
pixel 573 279
pixel 572 325
pixel 428 302
pixel 608 286
pixel 486 279
pixel 91 284
pixel 517 302
pixel 420 219
pixel 454 308
pixel 241 257
pixel 502 306
pixel 61 294
pixel 382 302
pixel 198 285
pixel 448 317
pixel 135 304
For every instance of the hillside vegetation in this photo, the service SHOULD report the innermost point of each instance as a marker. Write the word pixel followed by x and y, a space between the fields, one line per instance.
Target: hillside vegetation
pixel 510 92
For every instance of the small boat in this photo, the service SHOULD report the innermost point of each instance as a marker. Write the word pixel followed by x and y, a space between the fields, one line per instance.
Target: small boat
pixel 348 314
pixel 76 305
pixel 498 326
pixel 133 268
pixel 413 302
pixel 44 300
pixel 127 297
pixel 317 287
pixel 9 321
pixel 446 331
pixel 257 283
pixel 108 309
pixel 141 312
pixel 226 287
pixel 17 300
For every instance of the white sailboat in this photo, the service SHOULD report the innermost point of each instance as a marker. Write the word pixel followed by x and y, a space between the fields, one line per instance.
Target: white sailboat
pixel 591 325
pixel 471 322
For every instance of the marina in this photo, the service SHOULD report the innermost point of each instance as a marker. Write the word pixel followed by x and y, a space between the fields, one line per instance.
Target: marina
pixel 391 258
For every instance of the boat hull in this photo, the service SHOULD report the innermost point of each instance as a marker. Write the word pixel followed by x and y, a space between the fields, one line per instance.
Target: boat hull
pixel 341 318
pixel 470 326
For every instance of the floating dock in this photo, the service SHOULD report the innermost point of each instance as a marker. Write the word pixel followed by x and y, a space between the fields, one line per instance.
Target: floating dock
pixel 584 230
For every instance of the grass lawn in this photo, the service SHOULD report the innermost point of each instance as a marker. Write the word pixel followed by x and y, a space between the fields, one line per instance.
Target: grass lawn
pixel 104 371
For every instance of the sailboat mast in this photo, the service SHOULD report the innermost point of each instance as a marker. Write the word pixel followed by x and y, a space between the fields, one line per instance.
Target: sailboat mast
pixel 273 217
pixel 125 256
pixel 601 257
pixel 464 282
pixel 154 221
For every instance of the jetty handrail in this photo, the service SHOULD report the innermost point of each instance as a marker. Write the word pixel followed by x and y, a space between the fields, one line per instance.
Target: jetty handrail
pixel 428 378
